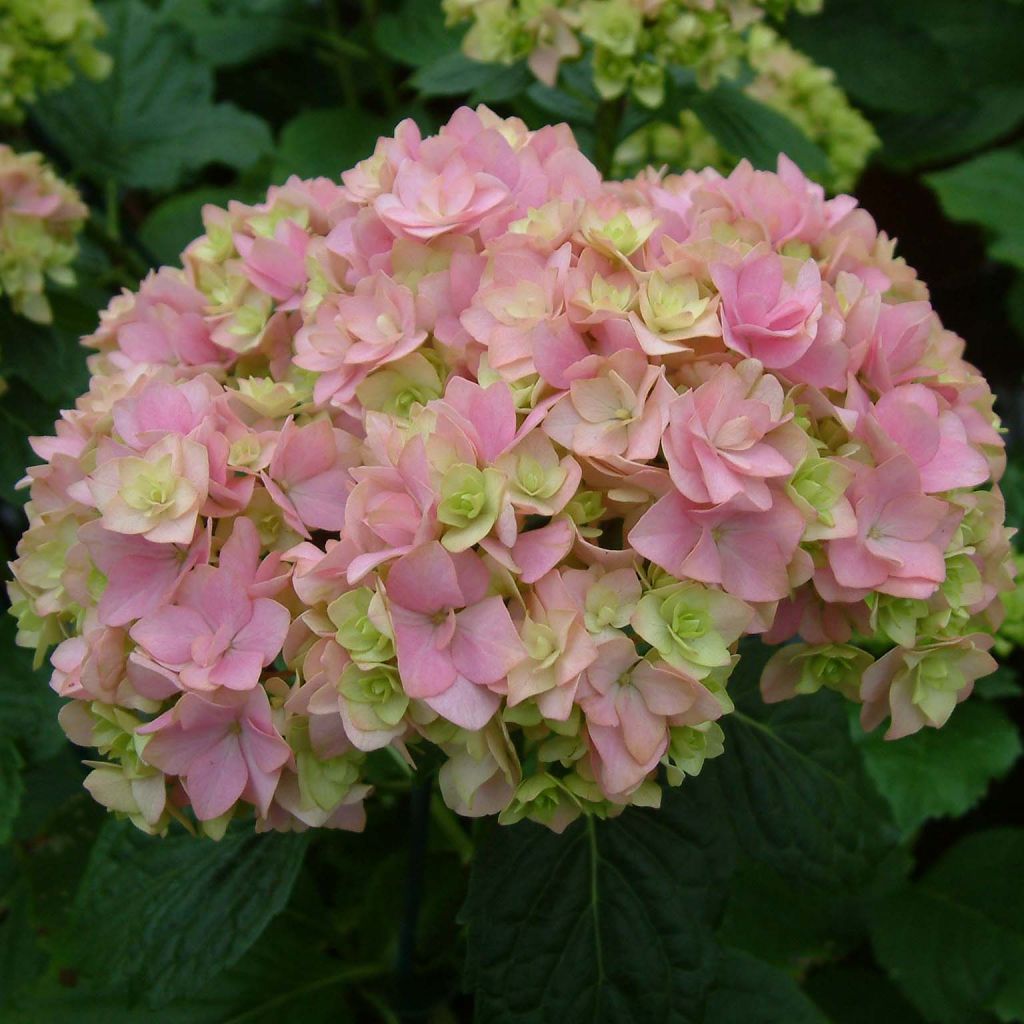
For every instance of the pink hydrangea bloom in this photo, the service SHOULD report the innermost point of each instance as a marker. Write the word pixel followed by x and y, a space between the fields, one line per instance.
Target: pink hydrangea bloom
pixel 476 451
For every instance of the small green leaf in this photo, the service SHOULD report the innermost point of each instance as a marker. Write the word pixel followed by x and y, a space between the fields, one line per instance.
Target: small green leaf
pixel 943 772
pixel 954 942
pixel 153 118
pixel 324 143
pixel 609 923
pixel 748 989
pixel 986 191
pixel 154 918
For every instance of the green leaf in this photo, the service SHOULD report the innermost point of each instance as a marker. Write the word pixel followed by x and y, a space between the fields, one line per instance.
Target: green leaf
pixel 154 918
pixel 810 928
pixel 970 123
pixel 324 143
pixel 28 707
pixel 416 35
pixel 749 129
pixel 21 959
pixel 510 82
pixel 49 358
pixel 178 220
pixel 798 794
pixel 153 119
pixel 561 104
pixel 954 942
pixel 943 772
pixel 986 191
pixel 1001 683
pixel 454 74
pixel 230 32
pixel 850 994
pixel 747 989
pixel 609 922
pixel 882 57
pixel 288 977
pixel 11 787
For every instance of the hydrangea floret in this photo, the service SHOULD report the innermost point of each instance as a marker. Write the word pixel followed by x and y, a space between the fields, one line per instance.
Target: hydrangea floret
pixel 40 217
pixel 474 458
pixel 42 45
pixel 633 43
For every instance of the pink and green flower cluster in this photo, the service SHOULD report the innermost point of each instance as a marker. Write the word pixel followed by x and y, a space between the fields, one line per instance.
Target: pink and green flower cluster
pixel 478 452
pixel 634 43
pixel 40 217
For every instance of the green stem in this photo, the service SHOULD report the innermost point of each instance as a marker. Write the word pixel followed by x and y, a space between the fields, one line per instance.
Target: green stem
pixel 607 125
pixel 342 64
pixel 450 828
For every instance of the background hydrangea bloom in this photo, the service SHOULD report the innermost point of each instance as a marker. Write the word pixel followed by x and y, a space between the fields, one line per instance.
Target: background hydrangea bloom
pixel 40 215
pixel 42 44
pixel 480 452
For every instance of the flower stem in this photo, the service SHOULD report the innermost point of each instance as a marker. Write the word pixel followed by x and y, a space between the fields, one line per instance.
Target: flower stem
pixel 607 125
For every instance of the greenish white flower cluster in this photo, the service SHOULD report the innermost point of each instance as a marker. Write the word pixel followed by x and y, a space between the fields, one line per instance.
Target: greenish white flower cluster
pixel 41 43
pixel 634 42
pixel 788 82
pixel 40 217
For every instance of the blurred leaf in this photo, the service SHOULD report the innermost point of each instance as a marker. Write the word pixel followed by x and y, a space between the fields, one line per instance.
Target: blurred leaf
pixel 987 191
pixel 153 918
pixel 324 143
pixel 21 959
pixel 416 35
pixel 28 707
pixel 11 787
pixel 970 123
pixel 454 74
pixel 57 853
pixel 609 922
pixel 858 995
pixel 178 220
pixel 749 129
pixel 153 119
pixel 882 57
pixel 938 773
pixel 229 32
pixel 1001 683
pixel 954 942
pixel 510 82
pixel 50 358
pixel 561 105
pixel 747 989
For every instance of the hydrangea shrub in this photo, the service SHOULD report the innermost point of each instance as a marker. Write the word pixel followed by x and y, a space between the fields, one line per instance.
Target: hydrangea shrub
pixel 477 452
pixel 40 217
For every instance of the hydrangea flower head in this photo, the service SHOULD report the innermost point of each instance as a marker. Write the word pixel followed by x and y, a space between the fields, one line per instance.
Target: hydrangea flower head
pixel 472 450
